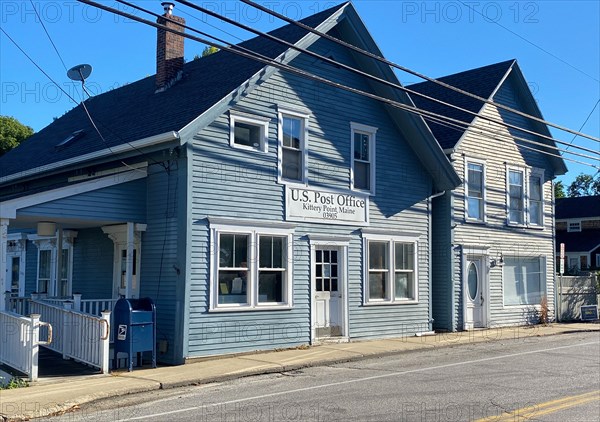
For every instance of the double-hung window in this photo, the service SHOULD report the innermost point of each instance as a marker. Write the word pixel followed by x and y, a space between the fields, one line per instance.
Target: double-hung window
pixel 293 140
pixel 50 281
pixel 525 196
pixel 248 131
pixel 516 196
pixel 524 280
pixel 536 198
pixel 252 268
pixel 362 176
pixel 390 270
pixel 475 191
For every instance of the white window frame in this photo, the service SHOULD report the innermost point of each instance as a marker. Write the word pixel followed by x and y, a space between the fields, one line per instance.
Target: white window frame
pixel 483 218
pixel 536 173
pixel 372 133
pixel 49 243
pixel 391 241
pixel 254 234
pixel 574 229
pixel 524 196
pixel 543 281
pixel 281 112
pixel 259 121
pixel 16 248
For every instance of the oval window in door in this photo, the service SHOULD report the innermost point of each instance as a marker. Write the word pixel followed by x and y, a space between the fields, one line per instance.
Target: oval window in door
pixel 472 281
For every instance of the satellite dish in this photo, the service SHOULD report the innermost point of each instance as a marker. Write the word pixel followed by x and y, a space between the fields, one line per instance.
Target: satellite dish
pixel 80 72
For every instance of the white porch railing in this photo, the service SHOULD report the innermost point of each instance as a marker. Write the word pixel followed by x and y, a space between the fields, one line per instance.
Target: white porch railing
pixel 17 305
pixel 19 342
pixel 82 337
pixel 94 306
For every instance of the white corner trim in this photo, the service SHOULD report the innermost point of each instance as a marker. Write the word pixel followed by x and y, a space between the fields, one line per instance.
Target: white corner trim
pixel 152 140
pixel 9 208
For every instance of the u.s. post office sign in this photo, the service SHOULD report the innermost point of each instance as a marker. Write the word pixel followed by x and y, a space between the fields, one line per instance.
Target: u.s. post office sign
pixel 319 206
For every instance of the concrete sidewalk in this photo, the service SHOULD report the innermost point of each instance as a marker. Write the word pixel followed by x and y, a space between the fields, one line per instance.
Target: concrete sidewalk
pixel 56 395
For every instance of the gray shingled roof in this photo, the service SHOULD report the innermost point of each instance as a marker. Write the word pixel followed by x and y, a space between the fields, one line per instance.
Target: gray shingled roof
pixel 581 207
pixel 481 81
pixel 135 112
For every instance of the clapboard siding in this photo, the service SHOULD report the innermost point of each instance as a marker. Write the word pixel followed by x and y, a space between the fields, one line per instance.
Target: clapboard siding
pixel 124 202
pixel 160 257
pixel 496 234
pixel 230 182
pixel 93 253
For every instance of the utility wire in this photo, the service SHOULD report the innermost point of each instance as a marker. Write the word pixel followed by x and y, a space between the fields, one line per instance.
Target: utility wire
pixel 530 42
pixel 52 42
pixel 412 72
pixel 586 120
pixel 367 75
pixel 77 102
pixel 36 65
pixel 467 124
pixel 255 56
pixel 48 34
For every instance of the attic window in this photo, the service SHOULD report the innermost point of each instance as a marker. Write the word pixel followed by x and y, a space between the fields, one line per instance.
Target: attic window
pixel 71 138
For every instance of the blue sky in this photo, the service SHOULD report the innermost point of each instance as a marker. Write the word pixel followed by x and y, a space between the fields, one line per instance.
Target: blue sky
pixel 557 44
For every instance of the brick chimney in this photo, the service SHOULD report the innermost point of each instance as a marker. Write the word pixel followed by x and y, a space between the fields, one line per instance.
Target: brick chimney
pixel 169 49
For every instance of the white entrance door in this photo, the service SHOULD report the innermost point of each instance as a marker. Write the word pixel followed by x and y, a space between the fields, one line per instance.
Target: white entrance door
pixel 327 290
pixel 474 291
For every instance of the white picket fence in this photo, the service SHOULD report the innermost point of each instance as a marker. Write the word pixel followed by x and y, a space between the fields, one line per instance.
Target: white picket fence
pixel 20 341
pixel 79 336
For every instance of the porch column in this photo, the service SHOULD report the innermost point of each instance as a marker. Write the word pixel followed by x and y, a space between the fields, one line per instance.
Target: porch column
pixel 3 263
pixel 59 259
pixel 129 262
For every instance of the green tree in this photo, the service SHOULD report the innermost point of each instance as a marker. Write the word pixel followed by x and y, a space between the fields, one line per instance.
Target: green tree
pixel 208 50
pixel 559 190
pixel 12 133
pixel 585 185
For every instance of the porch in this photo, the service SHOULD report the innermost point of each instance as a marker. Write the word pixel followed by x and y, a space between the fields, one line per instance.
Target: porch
pixel 66 257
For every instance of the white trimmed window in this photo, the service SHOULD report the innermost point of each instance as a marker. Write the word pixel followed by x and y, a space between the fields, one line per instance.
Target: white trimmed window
pixel 47 264
pixel 474 191
pixel 248 131
pixel 516 196
pixel 252 268
pixel 293 145
pixel 362 175
pixel 536 198
pixel 574 226
pixel 390 268
pixel 524 280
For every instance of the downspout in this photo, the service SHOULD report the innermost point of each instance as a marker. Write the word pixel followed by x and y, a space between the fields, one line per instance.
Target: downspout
pixel 430 240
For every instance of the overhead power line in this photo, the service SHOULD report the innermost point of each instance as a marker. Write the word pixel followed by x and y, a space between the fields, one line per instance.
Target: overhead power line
pixel 38 66
pixel 530 42
pixel 413 72
pixel 369 76
pixel 584 122
pixel 268 61
pixel 415 110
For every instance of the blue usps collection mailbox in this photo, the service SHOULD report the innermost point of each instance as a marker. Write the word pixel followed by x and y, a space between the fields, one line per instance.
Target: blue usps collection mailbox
pixel 134 329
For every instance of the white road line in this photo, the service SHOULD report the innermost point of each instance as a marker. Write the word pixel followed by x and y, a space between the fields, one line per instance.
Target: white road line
pixel 352 381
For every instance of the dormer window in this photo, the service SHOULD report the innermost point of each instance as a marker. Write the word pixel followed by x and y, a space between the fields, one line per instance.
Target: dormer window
pixel 69 139
pixel 574 226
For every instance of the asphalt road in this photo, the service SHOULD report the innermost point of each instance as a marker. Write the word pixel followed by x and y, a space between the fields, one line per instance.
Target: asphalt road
pixel 554 378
